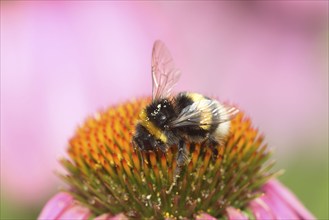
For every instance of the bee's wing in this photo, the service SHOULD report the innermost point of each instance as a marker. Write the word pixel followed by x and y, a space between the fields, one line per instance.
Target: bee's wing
pixel 198 114
pixel 164 73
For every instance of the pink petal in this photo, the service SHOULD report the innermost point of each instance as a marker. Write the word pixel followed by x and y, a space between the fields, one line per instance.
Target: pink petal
pixel 282 194
pixel 75 212
pixel 56 206
pixel 279 208
pixel 261 210
pixel 235 214
pixel 62 206
pixel 205 216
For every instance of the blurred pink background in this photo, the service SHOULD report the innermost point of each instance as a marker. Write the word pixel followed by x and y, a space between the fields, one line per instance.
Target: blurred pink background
pixel 63 61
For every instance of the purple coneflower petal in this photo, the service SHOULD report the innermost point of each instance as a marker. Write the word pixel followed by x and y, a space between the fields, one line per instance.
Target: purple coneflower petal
pixel 282 197
pixel 235 214
pixel 56 206
pixel 278 206
pixel 62 206
pixel 261 210
pixel 75 212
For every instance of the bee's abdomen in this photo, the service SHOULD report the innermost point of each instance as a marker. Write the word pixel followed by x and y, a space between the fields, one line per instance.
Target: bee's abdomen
pixel 204 115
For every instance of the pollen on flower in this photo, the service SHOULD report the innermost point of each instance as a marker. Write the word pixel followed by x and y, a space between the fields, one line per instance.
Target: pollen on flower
pixel 106 174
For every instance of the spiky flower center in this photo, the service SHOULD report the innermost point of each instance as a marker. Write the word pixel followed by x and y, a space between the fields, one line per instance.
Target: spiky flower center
pixel 105 172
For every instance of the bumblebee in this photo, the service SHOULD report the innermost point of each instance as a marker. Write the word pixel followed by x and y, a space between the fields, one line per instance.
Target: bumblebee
pixel 173 120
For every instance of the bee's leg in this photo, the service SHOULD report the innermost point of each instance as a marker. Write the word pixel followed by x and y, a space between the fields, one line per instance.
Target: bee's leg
pixel 192 147
pixel 163 147
pixel 213 145
pixel 182 159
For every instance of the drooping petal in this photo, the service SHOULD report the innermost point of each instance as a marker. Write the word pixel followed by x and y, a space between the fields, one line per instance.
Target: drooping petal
pixel 56 206
pixel 283 196
pixel 261 210
pixel 278 206
pixel 62 206
pixel 76 212
pixel 235 214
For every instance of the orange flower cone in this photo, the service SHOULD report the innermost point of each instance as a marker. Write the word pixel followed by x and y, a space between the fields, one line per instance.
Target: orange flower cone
pixel 107 178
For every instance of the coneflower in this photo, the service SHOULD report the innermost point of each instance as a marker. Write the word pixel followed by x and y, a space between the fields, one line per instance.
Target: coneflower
pixel 108 180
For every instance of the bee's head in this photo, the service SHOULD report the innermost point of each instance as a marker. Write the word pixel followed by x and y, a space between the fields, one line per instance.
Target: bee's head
pixel 160 112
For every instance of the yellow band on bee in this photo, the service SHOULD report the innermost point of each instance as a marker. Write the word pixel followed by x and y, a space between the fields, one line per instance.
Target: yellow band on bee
pixel 195 97
pixel 145 121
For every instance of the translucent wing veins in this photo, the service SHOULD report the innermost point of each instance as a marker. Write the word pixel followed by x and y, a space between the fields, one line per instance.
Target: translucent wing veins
pixel 197 114
pixel 164 73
